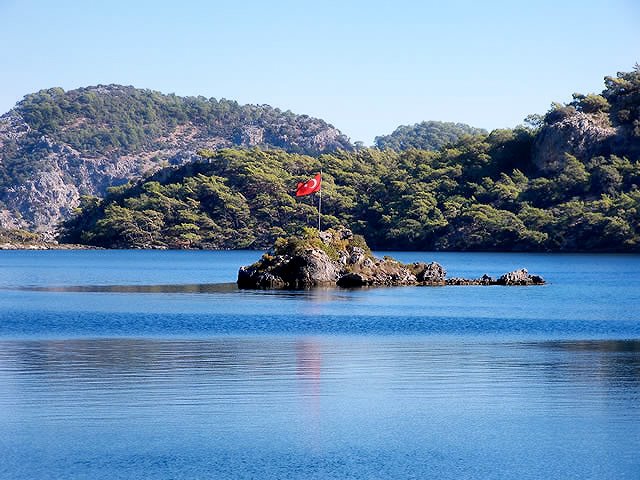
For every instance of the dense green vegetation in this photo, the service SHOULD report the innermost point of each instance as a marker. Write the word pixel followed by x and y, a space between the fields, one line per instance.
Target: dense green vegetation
pixel 473 196
pixel 106 118
pixel 483 192
pixel 430 135
pixel 19 237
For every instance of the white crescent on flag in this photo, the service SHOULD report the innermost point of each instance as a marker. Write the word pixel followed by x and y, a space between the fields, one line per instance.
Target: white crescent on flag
pixel 310 186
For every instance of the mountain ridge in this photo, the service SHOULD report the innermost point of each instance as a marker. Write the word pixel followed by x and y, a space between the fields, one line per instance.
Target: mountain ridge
pixel 56 145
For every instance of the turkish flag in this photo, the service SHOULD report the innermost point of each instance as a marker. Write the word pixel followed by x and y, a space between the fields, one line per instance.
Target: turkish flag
pixel 310 186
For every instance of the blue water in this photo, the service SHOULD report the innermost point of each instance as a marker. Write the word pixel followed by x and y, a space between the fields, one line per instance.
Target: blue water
pixel 149 364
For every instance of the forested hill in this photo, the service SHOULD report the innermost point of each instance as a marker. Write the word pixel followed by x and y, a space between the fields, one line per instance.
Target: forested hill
pixel 569 181
pixel 56 146
pixel 431 135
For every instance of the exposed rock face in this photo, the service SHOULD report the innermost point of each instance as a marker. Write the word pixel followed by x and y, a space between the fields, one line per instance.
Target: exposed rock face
pixel 97 137
pixel 338 258
pixel 429 273
pixel 520 277
pixel 579 134
pixel 371 272
pixel 313 268
pixel 52 188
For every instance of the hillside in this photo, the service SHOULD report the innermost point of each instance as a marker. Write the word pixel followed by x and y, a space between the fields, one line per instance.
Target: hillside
pixel 431 135
pixel 56 146
pixel 570 181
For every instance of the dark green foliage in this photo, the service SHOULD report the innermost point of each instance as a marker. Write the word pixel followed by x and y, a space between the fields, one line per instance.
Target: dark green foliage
pixel 430 135
pixel 19 237
pixel 559 112
pixel 114 118
pixel 590 103
pixel 202 205
pixel 623 94
pixel 406 200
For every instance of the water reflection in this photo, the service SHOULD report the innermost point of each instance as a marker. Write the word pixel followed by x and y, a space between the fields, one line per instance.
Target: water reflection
pixel 616 362
pixel 308 372
pixel 181 288
pixel 320 294
pixel 337 407
pixel 312 362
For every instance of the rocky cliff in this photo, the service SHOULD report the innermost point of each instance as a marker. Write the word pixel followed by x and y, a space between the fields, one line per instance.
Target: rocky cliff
pixel 579 134
pixel 337 257
pixel 56 146
pixel 593 125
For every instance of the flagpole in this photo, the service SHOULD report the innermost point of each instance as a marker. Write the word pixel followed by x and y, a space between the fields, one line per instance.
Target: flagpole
pixel 320 201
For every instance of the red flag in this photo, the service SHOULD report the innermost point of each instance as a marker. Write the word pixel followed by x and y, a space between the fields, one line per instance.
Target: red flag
pixel 310 186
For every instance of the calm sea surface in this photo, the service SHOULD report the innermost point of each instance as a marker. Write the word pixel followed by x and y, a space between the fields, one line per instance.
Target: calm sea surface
pixel 147 364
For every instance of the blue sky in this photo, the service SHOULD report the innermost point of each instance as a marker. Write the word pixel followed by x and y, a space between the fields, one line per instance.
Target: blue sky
pixel 364 66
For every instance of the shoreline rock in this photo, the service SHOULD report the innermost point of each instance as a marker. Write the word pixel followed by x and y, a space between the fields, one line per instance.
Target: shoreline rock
pixel 17 239
pixel 47 246
pixel 339 258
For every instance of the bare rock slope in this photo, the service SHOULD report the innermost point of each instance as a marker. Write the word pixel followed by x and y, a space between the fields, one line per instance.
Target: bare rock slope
pixel 579 134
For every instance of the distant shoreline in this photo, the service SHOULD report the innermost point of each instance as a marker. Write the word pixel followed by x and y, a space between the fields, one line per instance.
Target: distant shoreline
pixel 48 246
pixel 10 246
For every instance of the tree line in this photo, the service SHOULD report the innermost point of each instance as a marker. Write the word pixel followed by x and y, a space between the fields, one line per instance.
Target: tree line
pixel 484 191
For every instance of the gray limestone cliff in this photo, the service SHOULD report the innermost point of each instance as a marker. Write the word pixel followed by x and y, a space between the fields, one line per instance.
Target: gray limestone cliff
pixel 579 134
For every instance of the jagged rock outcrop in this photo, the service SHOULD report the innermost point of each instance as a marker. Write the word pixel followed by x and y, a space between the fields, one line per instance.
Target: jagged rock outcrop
pixel 336 257
pixel 520 277
pixel 483 280
pixel 57 146
pixel 312 269
pixel 579 134
pixel 429 273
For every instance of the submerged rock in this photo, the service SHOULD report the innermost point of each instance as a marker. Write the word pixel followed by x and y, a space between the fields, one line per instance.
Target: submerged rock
pixel 337 257
pixel 483 280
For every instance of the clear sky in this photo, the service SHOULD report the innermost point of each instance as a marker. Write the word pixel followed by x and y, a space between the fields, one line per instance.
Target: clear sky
pixel 364 66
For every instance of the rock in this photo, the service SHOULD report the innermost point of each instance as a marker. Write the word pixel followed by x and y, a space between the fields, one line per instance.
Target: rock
pixel 390 272
pixel 312 268
pixel 251 136
pixel 357 256
pixel 339 258
pixel 351 280
pixel 251 278
pixel 483 280
pixel 520 277
pixel 16 239
pixel 579 134
pixel 429 273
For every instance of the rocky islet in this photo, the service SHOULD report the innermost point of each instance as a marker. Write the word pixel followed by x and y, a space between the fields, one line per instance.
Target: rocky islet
pixel 337 257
